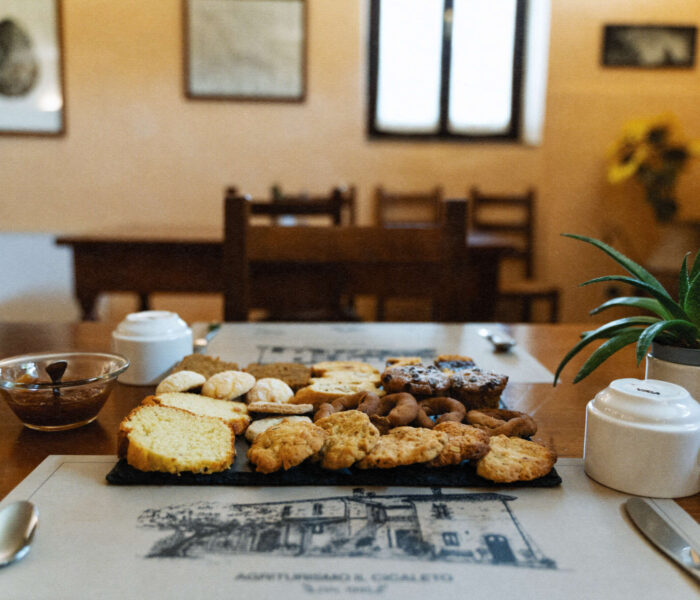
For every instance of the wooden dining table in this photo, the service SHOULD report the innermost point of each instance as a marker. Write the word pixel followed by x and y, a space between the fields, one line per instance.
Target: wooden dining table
pixel 558 410
pixel 134 258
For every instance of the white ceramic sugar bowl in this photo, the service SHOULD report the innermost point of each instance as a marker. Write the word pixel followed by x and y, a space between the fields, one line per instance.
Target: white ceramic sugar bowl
pixel 153 341
pixel 643 438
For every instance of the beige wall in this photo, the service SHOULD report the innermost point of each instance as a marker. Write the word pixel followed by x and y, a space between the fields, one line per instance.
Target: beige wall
pixel 137 150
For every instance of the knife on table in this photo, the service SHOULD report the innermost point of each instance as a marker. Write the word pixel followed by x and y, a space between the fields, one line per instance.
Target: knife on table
pixel 657 529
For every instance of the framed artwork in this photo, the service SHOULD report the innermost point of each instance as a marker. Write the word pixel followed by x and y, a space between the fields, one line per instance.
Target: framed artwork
pixel 245 49
pixel 649 46
pixel 31 68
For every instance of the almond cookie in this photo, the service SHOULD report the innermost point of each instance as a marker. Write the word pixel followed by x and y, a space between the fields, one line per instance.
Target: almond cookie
pixel 322 368
pixel 204 365
pixel 453 363
pixel 280 408
pixel 465 443
pixel 269 389
pixel 228 385
pixel 182 381
pixel 326 390
pixel 295 375
pixel 229 412
pixel 405 446
pixel 418 380
pixel 515 459
pixel 477 389
pixel 257 427
pixel 350 437
pixel 285 446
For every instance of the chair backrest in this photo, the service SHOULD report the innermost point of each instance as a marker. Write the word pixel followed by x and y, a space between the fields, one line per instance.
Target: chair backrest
pixel 399 209
pixel 411 261
pixel 512 215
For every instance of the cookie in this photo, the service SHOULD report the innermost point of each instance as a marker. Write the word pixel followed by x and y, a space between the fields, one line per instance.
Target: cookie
pixel 515 459
pixel 454 363
pixel 204 365
pixel 351 436
pixel 404 446
pixel 351 376
pixel 464 443
pixel 295 375
pixel 418 380
pixel 280 408
pixel 228 385
pixel 322 368
pixel 182 381
pixel 257 427
pixel 402 361
pixel 285 446
pixel 269 389
pixel 476 388
pixel 326 390
pixel 496 421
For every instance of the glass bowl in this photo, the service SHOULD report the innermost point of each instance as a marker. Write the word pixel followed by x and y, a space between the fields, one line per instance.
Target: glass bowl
pixel 72 401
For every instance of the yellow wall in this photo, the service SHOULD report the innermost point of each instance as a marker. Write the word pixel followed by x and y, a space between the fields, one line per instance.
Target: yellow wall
pixel 137 150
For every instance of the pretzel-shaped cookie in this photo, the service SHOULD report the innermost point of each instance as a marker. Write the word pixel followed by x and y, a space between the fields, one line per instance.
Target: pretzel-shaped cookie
pixel 368 400
pixel 449 409
pixel 497 421
pixel 394 410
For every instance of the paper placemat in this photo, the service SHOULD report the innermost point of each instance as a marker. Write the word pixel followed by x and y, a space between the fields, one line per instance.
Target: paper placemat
pixel 112 542
pixel 246 343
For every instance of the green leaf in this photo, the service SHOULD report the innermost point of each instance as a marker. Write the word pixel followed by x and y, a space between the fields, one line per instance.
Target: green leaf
pixel 683 282
pixel 650 304
pixel 606 350
pixel 695 268
pixel 692 300
pixel 627 263
pixel 680 329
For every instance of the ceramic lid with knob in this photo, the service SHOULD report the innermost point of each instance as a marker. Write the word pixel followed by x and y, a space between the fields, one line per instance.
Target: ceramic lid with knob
pixel 152 324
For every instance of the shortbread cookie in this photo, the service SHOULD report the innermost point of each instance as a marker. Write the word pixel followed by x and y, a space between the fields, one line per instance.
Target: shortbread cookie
pixel 477 389
pixel 326 390
pixel 285 445
pixel 295 375
pixel 280 408
pixel 454 363
pixel 419 380
pixel 322 368
pixel 257 427
pixel 465 443
pixel 404 446
pixel 229 412
pixel 351 376
pixel 515 459
pixel 228 385
pixel 172 440
pixel 269 389
pixel 350 437
pixel 182 381
pixel 204 365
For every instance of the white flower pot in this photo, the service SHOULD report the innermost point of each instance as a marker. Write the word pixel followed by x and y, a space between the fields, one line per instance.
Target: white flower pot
pixel 676 365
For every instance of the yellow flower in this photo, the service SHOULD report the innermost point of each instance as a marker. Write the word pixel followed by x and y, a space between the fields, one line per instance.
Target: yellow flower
pixel 626 158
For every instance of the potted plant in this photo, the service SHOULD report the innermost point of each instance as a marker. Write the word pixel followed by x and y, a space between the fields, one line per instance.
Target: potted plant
pixel 672 328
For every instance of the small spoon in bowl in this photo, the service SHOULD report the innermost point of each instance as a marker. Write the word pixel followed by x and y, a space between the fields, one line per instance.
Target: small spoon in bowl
pixel 18 523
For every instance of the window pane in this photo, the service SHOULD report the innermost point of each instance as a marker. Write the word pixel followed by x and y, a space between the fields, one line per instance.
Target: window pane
pixel 410 46
pixel 482 66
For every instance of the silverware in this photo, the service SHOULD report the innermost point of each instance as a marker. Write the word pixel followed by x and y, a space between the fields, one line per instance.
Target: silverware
pixel 657 529
pixel 201 342
pixel 500 341
pixel 18 523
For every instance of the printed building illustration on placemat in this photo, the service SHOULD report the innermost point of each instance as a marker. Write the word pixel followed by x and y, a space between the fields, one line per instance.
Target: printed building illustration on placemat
pixel 309 355
pixel 474 528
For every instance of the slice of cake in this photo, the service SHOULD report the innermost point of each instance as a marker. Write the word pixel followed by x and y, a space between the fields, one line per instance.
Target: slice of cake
pixel 171 440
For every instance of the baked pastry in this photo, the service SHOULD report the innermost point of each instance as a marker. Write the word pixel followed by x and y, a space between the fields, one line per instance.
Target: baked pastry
pixel 204 365
pixel 260 425
pixel 394 410
pixel 228 385
pixel 295 375
pixel 402 361
pixel 476 388
pixel 320 369
pixel 269 389
pixel 515 459
pixel 453 363
pixel 326 390
pixel 419 380
pixel 448 409
pixel 181 381
pixel 350 437
pixel 234 414
pixel 496 421
pixel 404 446
pixel 280 408
pixel 465 443
pixel 285 445
pixel 172 440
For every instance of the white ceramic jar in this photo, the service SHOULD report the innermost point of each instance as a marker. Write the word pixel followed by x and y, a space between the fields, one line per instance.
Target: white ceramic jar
pixel 643 438
pixel 153 341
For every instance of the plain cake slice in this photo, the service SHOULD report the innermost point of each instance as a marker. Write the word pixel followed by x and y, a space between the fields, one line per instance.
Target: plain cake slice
pixel 233 413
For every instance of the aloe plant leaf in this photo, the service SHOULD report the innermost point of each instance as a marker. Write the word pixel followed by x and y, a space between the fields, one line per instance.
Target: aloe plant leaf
pixel 695 269
pixel 681 329
pixel 692 300
pixel 606 350
pixel 683 282
pixel 650 304
pixel 627 263
pixel 668 303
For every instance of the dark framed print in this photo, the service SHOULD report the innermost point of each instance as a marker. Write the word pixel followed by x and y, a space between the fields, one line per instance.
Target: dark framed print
pixel 245 49
pixel 649 46
pixel 31 68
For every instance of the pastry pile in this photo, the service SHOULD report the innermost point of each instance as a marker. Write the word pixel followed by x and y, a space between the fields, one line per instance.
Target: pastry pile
pixel 339 414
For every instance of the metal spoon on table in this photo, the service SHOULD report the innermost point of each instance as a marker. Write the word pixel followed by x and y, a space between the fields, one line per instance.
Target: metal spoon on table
pixel 500 341
pixel 18 523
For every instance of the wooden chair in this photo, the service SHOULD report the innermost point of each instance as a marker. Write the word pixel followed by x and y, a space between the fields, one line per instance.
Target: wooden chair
pixel 399 209
pixel 514 217
pixel 418 261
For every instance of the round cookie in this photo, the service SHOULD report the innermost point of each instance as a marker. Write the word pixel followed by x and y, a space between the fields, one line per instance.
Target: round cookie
pixel 515 459
pixel 404 446
pixel 285 445
pixel 465 443
pixel 269 389
pixel 351 436
pixel 418 380
pixel 228 385
pixel 181 381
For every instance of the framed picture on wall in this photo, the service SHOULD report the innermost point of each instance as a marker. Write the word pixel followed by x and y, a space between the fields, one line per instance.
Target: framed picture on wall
pixel 31 68
pixel 245 49
pixel 649 46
